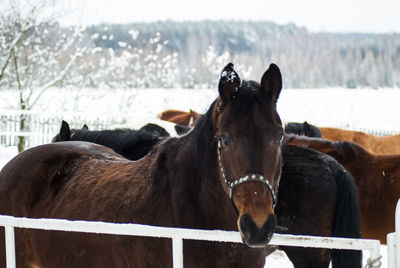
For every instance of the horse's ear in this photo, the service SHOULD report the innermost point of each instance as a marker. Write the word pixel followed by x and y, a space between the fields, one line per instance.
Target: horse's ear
pixel 65 131
pixel 229 83
pixel 271 82
pixel 85 127
pixel 306 128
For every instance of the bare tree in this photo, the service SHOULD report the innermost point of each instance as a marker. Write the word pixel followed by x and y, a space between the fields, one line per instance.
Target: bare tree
pixel 36 53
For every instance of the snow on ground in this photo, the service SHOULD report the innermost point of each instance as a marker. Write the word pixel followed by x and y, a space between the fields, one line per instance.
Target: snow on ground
pixel 6 154
pixel 351 108
pixel 348 108
pixel 354 109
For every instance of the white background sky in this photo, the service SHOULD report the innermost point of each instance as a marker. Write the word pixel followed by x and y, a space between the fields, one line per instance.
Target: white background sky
pixel 316 15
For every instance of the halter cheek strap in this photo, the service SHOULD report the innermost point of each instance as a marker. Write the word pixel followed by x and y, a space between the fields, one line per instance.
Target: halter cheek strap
pixel 246 178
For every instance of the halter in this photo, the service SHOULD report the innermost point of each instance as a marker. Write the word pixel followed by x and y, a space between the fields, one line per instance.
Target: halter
pixel 246 178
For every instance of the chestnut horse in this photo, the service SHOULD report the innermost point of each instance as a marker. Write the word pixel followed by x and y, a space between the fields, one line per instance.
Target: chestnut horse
pixel 380 145
pixel 377 178
pixel 180 117
pixel 222 175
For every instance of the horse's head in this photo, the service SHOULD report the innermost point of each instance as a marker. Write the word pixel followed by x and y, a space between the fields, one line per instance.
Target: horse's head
pixel 303 129
pixel 249 134
pixel 66 133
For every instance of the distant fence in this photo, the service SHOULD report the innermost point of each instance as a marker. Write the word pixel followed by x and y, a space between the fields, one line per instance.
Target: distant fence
pixel 177 235
pixel 372 131
pixel 40 128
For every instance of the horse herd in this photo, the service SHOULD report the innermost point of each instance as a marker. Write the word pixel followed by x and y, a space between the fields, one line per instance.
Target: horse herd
pixel 233 168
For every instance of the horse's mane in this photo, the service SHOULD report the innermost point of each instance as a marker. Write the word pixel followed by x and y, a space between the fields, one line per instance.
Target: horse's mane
pixel 294 128
pixel 303 129
pixel 346 148
pixel 243 100
pixel 204 134
pixel 154 129
pixel 133 144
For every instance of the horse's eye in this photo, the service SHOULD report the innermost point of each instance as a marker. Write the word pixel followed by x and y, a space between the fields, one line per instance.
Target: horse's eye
pixel 280 139
pixel 224 139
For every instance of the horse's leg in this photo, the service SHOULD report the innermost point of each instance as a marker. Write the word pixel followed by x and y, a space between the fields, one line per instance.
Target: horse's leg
pixel 23 256
pixel 308 257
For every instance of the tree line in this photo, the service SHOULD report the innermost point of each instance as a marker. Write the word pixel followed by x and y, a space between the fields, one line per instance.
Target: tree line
pixel 37 53
pixel 307 59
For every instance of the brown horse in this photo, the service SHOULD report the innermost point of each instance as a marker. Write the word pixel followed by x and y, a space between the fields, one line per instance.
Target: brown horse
pixel 180 117
pixel 308 176
pixel 377 178
pixel 381 145
pixel 224 174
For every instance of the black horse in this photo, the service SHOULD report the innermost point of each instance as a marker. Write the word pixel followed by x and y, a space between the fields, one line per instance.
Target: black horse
pixel 316 197
pixel 303 129
pixel 133 144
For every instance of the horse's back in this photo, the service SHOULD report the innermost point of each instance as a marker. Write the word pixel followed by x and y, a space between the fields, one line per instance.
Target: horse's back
pixel 380 145
pixel 23 178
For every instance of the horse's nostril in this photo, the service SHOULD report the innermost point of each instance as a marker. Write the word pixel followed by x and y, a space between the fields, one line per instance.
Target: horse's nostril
pixel 245 221
pixel 254 236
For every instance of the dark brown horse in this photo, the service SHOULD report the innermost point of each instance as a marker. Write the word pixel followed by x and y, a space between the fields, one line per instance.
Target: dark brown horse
pixel 377 178
pixel 308 177
pixel 224 174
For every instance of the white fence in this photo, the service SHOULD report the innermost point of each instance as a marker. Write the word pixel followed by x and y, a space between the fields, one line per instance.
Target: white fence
pixel 393 242
pixel 40 128
pixel 177 235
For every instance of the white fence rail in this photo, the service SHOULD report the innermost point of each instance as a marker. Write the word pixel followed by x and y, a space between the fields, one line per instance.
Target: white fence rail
pixel 177 235
pixel 40 128
pixel 393 242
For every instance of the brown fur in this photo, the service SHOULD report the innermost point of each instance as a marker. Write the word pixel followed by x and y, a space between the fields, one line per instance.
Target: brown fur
pixel 377 178
pixel 179 183
pixel 180 117
pixel 380 145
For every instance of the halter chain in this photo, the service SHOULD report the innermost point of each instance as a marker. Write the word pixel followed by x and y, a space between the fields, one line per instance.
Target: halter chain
pixel 246 178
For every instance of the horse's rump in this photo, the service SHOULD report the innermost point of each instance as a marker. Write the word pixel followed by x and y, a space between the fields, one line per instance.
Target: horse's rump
pixel 41 166
pixel 316 197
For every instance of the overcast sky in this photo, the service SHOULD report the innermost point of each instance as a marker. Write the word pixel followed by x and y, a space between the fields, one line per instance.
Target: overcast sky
pixel 316 15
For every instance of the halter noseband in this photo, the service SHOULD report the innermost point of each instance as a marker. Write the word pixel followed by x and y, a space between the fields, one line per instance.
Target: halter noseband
pixel 246 178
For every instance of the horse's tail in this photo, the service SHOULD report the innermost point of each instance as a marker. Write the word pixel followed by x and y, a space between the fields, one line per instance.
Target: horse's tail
pixel 347 218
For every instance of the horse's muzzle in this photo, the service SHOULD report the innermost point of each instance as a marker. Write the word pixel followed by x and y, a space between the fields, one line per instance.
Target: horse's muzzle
pixel 257 237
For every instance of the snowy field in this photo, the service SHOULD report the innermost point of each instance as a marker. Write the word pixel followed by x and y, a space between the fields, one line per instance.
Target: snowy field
pixel 353 109
pixel 350 108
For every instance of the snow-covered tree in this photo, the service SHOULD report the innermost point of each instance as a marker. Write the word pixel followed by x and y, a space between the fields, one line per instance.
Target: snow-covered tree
pixel 130 66
pixel 36 53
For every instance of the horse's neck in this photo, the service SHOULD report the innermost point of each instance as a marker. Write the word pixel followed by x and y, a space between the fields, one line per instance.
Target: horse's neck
pixel 197 196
